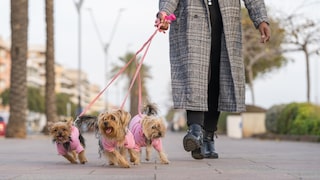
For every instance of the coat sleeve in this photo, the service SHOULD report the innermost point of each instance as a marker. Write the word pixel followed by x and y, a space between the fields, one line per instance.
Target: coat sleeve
pixel 168 6
pixel 257 11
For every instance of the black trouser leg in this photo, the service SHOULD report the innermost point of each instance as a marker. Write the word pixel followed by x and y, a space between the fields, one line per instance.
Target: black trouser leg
pixel 195 117
pixel 212 116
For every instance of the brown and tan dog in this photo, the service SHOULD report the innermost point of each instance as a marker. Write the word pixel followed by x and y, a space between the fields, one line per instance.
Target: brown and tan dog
pixel 115 137
pixel 148 130
pixel 69 141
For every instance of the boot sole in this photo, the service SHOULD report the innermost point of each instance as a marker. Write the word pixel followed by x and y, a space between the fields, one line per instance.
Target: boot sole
pixel 196 154
pixel 190 143
pixel 211 156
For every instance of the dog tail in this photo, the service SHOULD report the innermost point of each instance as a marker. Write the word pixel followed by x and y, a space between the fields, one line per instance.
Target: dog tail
pixel 82 140
pixel 150 109
pixel 87 120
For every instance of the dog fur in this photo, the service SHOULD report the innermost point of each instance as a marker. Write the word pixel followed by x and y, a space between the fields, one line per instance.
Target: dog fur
pixel 115 138
pixel 69 141
pixel 148 130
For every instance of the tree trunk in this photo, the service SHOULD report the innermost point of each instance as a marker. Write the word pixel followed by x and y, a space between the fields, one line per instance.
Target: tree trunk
pixel 18 89
pixel 308 73
pixel 50 97
pixel 134 99
pixel 250 83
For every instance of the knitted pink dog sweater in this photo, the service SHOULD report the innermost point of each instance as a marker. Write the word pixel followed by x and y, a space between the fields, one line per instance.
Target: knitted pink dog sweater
pixel 74 143
pixel 111 145
pixel 136 129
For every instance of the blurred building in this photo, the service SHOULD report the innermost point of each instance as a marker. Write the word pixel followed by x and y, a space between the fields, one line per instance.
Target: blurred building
pixel 5 65
pixel 5 69
pixel 66 79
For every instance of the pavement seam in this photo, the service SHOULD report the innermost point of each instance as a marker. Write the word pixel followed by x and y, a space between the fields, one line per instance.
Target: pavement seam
pixel 215 169
pixel 91 172
pixel 155 170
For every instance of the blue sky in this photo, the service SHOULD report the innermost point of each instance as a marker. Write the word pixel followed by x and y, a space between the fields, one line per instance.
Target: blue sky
pixel 134 27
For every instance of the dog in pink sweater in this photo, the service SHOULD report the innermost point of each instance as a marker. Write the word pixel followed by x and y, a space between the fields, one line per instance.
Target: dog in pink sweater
pixel 114 136
pixel 69 141
pixel 147 129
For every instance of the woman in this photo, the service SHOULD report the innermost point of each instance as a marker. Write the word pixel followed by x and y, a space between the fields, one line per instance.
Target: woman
pixel 207 69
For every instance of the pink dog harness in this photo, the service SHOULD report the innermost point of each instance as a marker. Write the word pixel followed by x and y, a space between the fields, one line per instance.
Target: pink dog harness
pixel 111 145
pixel 74 143
pixel 141 141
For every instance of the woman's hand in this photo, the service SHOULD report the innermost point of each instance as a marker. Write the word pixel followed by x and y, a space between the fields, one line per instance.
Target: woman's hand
pixel 161 21
pixel 264 32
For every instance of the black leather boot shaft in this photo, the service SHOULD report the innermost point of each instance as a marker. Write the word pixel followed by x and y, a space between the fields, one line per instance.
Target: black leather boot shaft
pixel 208 146
pixel 196 130
pixel 209 136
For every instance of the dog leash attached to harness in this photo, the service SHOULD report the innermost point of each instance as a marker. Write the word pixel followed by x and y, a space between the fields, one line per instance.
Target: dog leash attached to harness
pixel 167 19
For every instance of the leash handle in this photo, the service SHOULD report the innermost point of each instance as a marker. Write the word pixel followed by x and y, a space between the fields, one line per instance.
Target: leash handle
pixel 163 21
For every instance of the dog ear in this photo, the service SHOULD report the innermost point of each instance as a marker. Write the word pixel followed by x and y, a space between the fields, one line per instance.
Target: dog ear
pixel 69 122
pixel 101 115
pixel 125 117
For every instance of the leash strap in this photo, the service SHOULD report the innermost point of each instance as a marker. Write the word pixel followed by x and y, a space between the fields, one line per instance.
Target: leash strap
pixel 168 19
pixel 137 74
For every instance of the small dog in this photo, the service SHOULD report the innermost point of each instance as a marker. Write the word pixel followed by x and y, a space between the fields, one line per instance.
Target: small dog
pixel 148 131
pixel 115 137
pixel 68 140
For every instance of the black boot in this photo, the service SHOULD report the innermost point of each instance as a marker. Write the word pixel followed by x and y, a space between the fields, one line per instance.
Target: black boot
pixel 193 141
pixel 208 146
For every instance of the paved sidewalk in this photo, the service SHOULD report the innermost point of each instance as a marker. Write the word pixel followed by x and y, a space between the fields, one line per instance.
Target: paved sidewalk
pixel 36 158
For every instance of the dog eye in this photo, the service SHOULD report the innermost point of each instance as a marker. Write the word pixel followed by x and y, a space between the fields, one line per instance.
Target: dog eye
pixel 153 127
pixel 112 118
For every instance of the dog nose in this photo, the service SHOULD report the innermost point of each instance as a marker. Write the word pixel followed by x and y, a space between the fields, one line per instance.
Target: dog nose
pixel 160 134
pixel 105 123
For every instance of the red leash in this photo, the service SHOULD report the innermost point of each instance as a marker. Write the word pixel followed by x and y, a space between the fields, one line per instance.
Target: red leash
pixel 167 19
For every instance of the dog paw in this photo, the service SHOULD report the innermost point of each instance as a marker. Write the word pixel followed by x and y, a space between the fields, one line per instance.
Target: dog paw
pixel 164 161
pixel 125 165
pixel 83 162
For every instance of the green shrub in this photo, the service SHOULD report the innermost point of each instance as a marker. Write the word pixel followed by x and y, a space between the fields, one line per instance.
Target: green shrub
pixel 299 119
pixel 307 120
pixel 286 118
pixel 272 117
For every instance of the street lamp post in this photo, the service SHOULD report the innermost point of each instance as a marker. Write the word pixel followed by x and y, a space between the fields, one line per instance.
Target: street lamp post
pixel 105 46
pixel 78 7
pixel 317 80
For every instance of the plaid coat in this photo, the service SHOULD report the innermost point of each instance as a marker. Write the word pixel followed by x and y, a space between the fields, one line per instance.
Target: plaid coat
pixel 190 43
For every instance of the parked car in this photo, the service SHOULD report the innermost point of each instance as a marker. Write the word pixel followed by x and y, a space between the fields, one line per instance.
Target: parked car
pixel 2 127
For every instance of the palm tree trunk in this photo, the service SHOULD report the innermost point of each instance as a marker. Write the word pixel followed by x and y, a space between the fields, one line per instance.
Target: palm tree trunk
pixel 50 97
pixel 18 89
pixel 134 99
